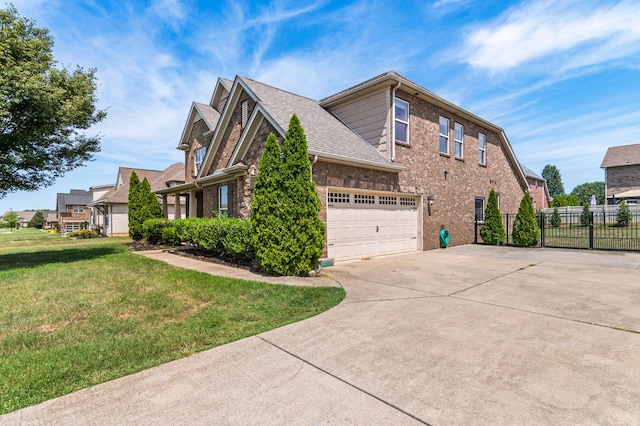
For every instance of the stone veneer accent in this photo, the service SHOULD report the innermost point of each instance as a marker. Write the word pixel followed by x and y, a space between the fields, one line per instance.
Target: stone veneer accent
pixel 196 140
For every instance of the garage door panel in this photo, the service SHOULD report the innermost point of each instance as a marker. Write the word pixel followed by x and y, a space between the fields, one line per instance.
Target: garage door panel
pixel 362 230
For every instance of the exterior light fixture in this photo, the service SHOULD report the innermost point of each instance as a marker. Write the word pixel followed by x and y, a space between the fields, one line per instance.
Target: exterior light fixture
pixel 431 199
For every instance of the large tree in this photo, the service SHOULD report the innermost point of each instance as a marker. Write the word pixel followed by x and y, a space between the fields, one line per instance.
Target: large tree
pixel 43 109
pixel 554 182
pixel 586 190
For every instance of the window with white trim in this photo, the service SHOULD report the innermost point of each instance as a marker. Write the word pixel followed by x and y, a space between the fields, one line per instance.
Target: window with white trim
pixel 364 199
pixel 482 148
pixel 479 209
pixel 78 209
pixel 338 197
pixel 401 129
pixel 245 113
pixel 200 153
pixel 444 135
pixel 458 142
pixel 388 200
pixel 223 201
pixel 407 201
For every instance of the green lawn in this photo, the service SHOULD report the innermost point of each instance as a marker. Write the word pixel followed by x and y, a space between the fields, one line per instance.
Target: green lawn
pixel 75 313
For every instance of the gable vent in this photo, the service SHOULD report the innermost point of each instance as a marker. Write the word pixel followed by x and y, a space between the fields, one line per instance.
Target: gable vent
pixel 245 113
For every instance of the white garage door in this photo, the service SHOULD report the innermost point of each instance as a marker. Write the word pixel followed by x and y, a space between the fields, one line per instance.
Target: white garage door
pixel 362 224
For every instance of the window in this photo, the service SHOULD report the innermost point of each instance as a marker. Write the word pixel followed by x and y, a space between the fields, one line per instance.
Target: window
pixel 363 199
pixel 338 197
pixel 78 209
pixel 245 113
pixel 401 129
pixel 444 135
pixel 482 148
pixel 458 136
pixel 388 200
pixel 200 152
pixel 479 209
pixel 223 201
pixel 407 201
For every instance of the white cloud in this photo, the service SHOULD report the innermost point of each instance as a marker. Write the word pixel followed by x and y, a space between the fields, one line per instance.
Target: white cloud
pixel 542 29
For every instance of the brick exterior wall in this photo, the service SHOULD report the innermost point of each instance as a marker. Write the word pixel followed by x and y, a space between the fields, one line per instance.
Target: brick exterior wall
pixel 539 196
pixel 624 178
pixel 197 140
pixel 453 182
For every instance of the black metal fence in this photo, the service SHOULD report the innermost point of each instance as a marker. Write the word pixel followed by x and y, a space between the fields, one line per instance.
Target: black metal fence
pixel 602 232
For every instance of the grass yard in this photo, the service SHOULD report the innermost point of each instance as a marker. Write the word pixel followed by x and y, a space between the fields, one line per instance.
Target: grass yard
pixel 75 313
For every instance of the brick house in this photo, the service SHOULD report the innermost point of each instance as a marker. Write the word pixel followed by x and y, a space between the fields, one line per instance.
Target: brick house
pixel 621 166
pixel 71 209
pixel 537 188
pixel 392 162
pixel 110 203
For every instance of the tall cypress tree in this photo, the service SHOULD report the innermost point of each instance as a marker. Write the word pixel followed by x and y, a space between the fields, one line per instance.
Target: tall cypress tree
pixel 492 230
pixel 303 234
pixel 266 208
pixel 135 227
pixel 526 232
pixel 150 205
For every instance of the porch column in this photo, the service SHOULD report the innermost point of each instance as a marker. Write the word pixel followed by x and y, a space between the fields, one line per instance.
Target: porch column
pixel 193 209
pixel 165 208
pixel 176 207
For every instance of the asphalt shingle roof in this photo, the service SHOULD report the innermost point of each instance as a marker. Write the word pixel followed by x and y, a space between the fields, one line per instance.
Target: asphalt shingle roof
pixel 157 180
pixel 210 115
pixel 625 155
pixel 325 133
pixel 530 173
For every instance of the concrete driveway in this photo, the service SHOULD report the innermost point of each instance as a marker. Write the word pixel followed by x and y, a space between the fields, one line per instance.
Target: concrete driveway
pixel 466 335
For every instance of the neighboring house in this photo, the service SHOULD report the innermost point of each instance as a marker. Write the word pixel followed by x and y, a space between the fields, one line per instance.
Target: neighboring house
pixel 621 166
pixel 71 209
pixel 110 203
pixel 50 219
pixel 392 162
pixel 537 188
pixel 24 218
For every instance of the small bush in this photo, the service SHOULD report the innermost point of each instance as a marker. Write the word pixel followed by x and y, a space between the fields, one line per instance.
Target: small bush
pixel 525 228
pixel 152 230
pixel 623 217
pixel 492 230
pixel 83 233
pixel 555 220
pixel 170 236
pixel 585 217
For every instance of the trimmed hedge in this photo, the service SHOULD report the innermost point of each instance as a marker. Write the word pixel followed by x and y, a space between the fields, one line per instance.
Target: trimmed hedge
pixel 228 238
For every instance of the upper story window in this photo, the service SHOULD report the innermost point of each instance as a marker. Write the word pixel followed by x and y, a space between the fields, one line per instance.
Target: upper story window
pixel 482 148
pixel 200 153
pixel 223 201
pixel 78 209
pixel 444 135
pixel 458 136
pixel 244 106
pixel 401 129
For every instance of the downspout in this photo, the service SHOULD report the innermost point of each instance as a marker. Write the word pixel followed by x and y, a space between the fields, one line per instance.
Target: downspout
pixel 393 121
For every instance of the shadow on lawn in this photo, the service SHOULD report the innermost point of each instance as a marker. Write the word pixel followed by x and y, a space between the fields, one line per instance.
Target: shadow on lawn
pixel 68 255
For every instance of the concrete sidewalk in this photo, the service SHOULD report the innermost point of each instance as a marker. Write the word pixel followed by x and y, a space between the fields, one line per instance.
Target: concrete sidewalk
pixel 467 335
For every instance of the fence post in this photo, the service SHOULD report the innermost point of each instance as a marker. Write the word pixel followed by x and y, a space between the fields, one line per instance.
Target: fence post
pixel 591 230
pixel 475 227
pixel 543 221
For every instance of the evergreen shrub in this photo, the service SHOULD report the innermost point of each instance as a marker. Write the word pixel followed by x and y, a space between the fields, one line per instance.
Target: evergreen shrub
pixel 555 220
pixel 152 230
pixel 623 216
pixel 585 216
pixel 526 232
pixel 492 230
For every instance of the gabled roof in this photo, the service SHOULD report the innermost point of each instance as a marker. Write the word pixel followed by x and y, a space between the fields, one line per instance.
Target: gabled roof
pixel 75 197
pixel 157 180
pixel 198 111
pixel 530 173
pixel 327 136
pixel 625 155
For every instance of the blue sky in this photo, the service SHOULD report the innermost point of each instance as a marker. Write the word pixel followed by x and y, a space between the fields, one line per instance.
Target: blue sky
pixel 561 77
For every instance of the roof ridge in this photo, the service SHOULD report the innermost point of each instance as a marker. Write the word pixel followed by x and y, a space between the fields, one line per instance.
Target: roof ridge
pixel 279 89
